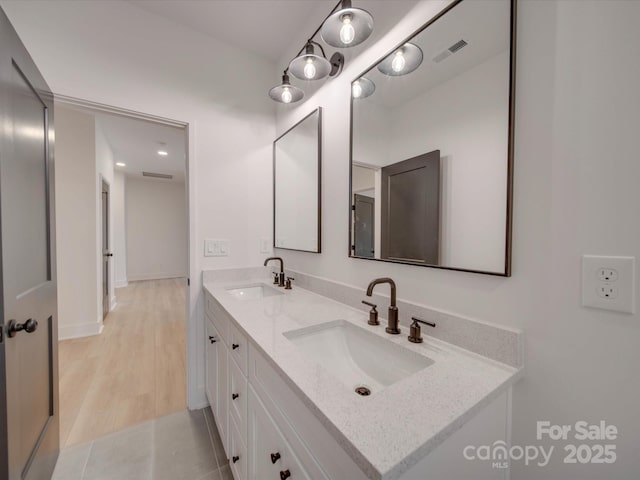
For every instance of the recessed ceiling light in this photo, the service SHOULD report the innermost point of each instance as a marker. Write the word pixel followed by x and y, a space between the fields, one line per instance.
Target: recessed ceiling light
pixel 163 153
pixel 120 164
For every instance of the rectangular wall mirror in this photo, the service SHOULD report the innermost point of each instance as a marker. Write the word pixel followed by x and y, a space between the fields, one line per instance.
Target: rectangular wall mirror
pixel 296 185
pixel 432 144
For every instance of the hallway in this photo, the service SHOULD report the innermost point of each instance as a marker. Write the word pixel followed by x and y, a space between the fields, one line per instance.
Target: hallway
pixel 135 371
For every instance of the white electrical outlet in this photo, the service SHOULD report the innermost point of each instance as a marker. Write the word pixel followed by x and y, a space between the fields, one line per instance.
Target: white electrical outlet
pixel 608 283
pixel 265 245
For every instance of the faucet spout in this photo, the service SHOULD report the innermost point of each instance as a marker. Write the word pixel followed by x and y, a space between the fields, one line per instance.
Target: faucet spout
pixel 275 258
pixel 392 326
pixel 378 281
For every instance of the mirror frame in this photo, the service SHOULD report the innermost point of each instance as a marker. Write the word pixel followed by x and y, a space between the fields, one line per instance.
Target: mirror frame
pixel 319 210
pixel 510 146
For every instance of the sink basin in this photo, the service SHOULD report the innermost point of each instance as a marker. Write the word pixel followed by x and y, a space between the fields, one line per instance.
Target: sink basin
pixel 360 359
pixel 253 292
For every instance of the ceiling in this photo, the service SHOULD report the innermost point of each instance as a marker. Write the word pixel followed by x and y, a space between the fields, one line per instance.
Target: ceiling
pixel 136 143
pixel 264 27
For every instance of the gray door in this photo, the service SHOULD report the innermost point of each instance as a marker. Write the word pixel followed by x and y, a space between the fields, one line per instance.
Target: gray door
pixel 106 252
pixel 411 210
pixel 29 429
pixel 364 224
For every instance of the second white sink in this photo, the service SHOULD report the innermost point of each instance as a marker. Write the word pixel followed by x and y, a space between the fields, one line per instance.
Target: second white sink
pixel 360 359
pixel 253 292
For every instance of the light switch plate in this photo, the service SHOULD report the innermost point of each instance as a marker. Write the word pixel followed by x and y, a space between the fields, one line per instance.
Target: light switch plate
pixel 216 248
pixel 608 283
pixel 265 245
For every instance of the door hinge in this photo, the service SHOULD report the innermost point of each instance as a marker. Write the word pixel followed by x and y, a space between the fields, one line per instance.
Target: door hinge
pixel 188 282
pixel 353 207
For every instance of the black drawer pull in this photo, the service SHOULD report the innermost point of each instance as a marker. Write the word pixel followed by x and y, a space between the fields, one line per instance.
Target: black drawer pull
pixel 284 474
pixel 212 339
pixel 234 346
pixel 275 457
pixel 235 458
pixel 234 396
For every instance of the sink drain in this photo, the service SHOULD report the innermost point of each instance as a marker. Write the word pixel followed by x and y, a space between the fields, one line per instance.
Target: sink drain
pixel 364 391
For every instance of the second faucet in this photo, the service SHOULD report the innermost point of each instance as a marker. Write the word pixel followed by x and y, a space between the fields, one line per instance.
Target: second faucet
pixel 281 274
pixel 392 326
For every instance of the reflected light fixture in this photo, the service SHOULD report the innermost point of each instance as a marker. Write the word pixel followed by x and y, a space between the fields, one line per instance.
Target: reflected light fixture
pixel 343 27
pixel 285 92
pixel 347 27
pixel 120 164
pixel 401 61
pixel 163 153
pixel 362 88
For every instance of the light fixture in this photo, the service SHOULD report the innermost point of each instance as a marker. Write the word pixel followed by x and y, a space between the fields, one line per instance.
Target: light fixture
pixel 285 92
pixel 343 27
pixel 347 27
pixel 362 88
pixel 120 164
pixel 401 61
pixel 163 153
pixel 310 66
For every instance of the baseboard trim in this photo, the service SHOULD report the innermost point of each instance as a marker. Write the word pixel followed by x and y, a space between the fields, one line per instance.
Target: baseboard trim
pixel 121 283
pixel 67 332
pixel 154 276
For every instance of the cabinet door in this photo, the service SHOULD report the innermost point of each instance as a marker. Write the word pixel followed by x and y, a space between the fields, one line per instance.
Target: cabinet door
pixel 270 456
pixel 222 418
pixel 212 363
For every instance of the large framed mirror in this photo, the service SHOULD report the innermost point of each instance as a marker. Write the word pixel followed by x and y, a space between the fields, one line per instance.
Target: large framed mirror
pixel 432 144
pixel 297 163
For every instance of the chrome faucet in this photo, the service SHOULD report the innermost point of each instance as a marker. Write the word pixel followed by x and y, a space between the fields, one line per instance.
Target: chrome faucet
pixel 281 274
pixel 392 326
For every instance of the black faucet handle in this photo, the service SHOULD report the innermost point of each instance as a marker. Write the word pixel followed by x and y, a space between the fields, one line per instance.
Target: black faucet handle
pixel 431 324
pixel 373 313
pixel 276 275
pixel 288 283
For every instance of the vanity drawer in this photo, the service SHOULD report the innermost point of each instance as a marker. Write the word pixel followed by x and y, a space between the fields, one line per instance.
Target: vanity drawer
pixel 237 398
pixel 237 453
pixel 238 347
pixel 270 456
pixel 217 315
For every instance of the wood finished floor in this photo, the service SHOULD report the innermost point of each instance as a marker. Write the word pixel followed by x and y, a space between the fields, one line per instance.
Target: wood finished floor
pixel 133 372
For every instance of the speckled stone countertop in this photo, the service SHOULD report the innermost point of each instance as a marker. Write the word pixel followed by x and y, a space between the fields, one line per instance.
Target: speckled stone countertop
pixel 376 431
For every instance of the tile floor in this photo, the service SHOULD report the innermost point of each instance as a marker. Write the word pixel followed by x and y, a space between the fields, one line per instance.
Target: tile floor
pixel 180 446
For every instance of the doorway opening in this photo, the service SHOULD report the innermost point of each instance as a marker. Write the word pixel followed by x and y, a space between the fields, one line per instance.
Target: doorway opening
pixel 126 363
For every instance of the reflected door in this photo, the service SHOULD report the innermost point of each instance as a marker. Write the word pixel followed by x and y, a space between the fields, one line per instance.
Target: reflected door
pixel 411 210
pixel 363 226
pixel 29 427
pixel 106 253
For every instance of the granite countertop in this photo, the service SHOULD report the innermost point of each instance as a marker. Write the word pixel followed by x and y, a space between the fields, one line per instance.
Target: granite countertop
pixel 376 431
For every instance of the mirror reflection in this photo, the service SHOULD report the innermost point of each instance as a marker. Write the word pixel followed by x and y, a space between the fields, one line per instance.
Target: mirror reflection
pixel 431 145
pixel 296 192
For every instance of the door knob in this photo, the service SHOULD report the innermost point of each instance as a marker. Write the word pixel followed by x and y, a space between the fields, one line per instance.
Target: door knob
pixel 235 458
pixel 14 327
pixel 284 474
pixel 275 457
pixel 108 254
pixel 234 396
pixel 212 339
pixel 234 346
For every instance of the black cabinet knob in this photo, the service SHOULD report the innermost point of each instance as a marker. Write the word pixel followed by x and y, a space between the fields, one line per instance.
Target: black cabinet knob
pixel 275 457
pixel 284 474
pixel 234 396
pixel 234 346
pixel 212 339
pixel 14 327
pixel 235 458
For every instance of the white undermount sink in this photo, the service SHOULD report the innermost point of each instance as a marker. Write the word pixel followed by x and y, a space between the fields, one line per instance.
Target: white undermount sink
pixel 360 359
pixel 253 292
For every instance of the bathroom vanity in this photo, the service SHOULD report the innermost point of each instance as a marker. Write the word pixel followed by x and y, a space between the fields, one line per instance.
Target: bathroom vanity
pixel 302 387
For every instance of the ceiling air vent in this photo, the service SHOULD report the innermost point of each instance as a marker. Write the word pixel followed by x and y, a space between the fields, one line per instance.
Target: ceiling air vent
pixel 449 51
pixel 157 175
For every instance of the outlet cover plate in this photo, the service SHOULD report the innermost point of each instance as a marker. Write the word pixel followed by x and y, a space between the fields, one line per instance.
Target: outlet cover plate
pixel 622 281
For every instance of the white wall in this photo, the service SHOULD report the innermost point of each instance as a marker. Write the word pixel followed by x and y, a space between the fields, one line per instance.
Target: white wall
pixel 162 68
pixel 577 118
pixel 119 230
pixel 75 224
pixel 156 229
